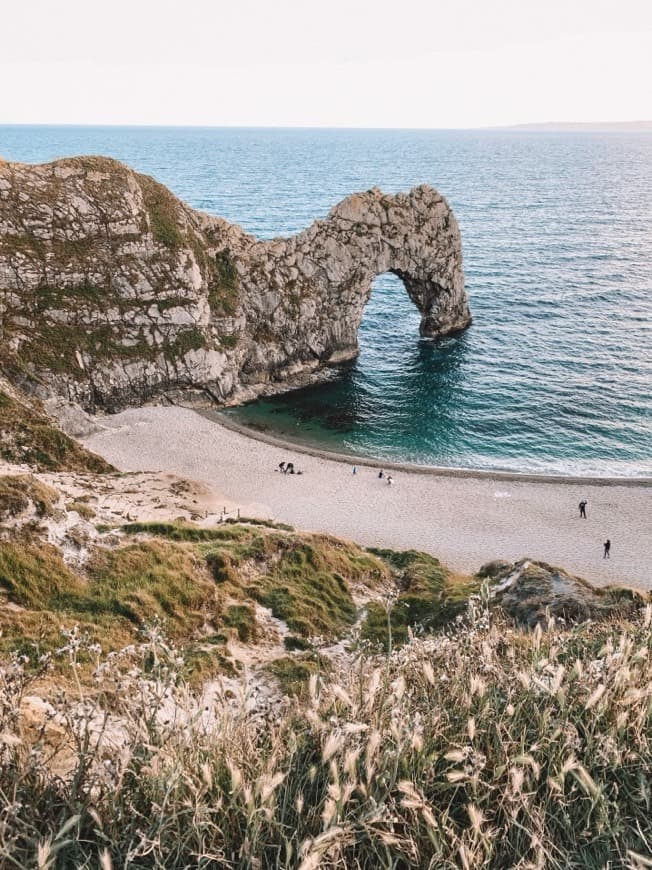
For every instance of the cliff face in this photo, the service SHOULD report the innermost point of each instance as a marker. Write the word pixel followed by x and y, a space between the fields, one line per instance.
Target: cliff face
pixel 112 290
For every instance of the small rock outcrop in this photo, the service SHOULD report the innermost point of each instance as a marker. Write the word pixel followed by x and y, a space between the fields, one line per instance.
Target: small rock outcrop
pixel 113 291
pixel 529 591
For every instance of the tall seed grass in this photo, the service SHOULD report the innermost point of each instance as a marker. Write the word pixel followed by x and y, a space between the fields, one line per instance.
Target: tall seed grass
pixel 479 747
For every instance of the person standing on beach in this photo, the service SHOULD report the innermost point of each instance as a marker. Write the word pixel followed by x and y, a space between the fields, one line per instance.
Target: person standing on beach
pixel 355 470
pixel 381 474
pixel 390 480
pixel 583 509
pixel 607 549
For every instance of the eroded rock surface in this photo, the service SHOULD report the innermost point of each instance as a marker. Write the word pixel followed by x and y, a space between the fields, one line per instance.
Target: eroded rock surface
pixel 113 291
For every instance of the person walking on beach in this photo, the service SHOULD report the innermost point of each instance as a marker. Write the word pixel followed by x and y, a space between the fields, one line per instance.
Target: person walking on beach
pixel 583 509
pixel 355 470
pixel 381 474
pixel 607 549
pixel 390 480
pixel 281 467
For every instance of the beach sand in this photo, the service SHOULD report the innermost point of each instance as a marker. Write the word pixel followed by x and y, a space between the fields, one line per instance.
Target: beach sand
pixel 463 520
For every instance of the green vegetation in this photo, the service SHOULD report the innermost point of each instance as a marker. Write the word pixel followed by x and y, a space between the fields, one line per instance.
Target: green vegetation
pixel 34 575
pixel 145 580
pixel 291 643
pixel 184 341
pixel 47 298
pixel 293 674
pixel 162 208
pixel 305 584
pixel 303 579
pixel 228 342
pixel 429 596
pixel 309 597
pixel 55 346
pixel 223 293
pixel 28 436
pixel 195 580
pixel 84 510
pixel 121 590
pixel 186 531
pixel 242 618
pixel 254 521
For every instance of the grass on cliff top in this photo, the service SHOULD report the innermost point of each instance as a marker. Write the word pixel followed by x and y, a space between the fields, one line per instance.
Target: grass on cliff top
pixel 223 287
pixel 428 597
pixel 205 581
pixel 304 579
pixel 200 583
pixel 27 435
pixel 163 210
pixel 305 585
pixel 120 591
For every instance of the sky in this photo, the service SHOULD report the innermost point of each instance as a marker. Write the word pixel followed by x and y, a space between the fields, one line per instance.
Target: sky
pixel 339 63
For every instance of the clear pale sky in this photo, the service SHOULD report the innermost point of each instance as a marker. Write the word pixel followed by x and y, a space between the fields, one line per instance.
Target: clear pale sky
pixel 350 63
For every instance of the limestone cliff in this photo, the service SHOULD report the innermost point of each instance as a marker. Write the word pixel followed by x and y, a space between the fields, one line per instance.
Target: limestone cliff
pixel 113 291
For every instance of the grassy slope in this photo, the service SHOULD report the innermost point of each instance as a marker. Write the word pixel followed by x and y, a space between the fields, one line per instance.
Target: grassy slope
pixel 428 597
pixel 480 745
pixel 28 435
pixel 201 583
pixel 19 491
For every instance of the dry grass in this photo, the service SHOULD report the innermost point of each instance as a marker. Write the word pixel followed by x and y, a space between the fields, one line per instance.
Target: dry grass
pixel 28 435
pixel 479 747
pixel 20 492
pixel 202 583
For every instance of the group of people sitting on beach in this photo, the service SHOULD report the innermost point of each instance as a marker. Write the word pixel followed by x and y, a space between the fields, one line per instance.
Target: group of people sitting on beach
pixel 288 468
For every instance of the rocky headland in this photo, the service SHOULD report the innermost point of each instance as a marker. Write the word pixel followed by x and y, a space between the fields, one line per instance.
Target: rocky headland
pixel 114 292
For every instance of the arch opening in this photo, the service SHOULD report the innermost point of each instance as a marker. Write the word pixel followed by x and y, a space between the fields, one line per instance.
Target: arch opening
pixel 389 325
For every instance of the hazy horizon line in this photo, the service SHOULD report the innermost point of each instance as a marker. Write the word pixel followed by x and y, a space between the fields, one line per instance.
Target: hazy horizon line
pixel 533 126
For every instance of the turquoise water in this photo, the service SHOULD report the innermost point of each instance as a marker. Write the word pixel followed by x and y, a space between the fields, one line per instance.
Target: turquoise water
pixel 554 375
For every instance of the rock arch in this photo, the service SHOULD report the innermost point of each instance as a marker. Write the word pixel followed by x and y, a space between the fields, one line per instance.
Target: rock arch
pixel 414 236
pixel 112 290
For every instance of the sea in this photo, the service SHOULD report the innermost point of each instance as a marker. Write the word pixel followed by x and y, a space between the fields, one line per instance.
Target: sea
pixel 555 373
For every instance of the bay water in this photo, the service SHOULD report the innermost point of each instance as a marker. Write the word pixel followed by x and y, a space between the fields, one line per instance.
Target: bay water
pixel 555 373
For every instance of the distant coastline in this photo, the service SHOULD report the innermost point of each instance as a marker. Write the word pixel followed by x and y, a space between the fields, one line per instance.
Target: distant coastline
pixel 535 127
pixel 580 127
